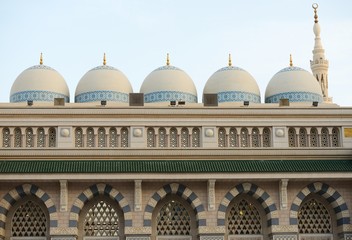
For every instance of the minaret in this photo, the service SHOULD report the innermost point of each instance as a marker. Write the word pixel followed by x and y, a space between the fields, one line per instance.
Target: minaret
pixel 319 64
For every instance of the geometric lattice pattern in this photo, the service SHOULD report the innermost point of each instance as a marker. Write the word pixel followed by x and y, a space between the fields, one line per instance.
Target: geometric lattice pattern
pixel 101 220
pixel 29 220
pixel 313 217
pixel 244 218
pixel 291 137
pixel 222 137
pixel 173 219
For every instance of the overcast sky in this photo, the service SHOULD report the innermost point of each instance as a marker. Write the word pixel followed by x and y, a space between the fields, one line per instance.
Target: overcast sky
pixel 136 35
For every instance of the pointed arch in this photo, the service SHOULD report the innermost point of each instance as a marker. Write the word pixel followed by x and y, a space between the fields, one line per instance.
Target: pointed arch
pixel 257 193
pixel 19 193
pixel 96 190
pixel 180 190
pixel 330 194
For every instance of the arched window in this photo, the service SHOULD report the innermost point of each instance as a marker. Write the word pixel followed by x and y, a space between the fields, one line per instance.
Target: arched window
pixel 303 137
pixel 101 217
pixel 40 137
pixel 6 138
pixel 244 137
pixel 314 218
pixel 124 137
pixel 314 138
pixel 233 141
pixel 78 137
pixel 101 137
pixel 255 137
pixel 173 137
pixel 335 137
pixel 184 137
pixel 29 138
pixel 18 137
pixel 325 141
pixel 266 137
pixel 150 137
pixel 52 137
pixel 292 137
pixel 173 220
pixel 162 138
pixel 222 137
pixel 195 137
pixel 244 219
pixel 113 138
pixel 90 137
pixel 28 219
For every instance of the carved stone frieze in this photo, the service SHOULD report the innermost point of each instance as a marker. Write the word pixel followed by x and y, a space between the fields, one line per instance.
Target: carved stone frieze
pixel 64 231
pixel 206 230
pixel 138 230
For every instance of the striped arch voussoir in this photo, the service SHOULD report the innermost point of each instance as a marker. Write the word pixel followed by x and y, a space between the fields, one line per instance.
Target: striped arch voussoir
pixel 257 193
pixel 180 190
pixel 96 190
pixel 330 194
pixel 20 192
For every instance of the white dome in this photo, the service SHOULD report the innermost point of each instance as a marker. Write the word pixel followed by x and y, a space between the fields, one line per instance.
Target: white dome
pixel 103 83
pixel 39 83
pixel 295 84
pixel 233 84
pixel 168 83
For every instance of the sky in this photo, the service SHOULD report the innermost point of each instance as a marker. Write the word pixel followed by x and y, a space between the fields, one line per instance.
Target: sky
pixel 136 35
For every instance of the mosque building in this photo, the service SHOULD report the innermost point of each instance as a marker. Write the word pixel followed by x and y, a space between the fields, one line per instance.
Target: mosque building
pixel 114 164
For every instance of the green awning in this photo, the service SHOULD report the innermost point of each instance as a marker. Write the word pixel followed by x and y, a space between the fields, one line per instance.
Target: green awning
pixel 173 166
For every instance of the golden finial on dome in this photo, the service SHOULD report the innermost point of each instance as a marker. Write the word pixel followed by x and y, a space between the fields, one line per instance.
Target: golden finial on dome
pixel 291 64
pixel 104 59
pixel 167 59
pixel 315 7
pixel 41 59
pixel 230 60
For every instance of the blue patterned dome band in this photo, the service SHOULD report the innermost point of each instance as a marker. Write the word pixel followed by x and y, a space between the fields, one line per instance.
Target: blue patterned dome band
pixel 40 96
pixel 95 96
pixel 295 97
pixel 237 96
pixel 165 96
pixel 228 68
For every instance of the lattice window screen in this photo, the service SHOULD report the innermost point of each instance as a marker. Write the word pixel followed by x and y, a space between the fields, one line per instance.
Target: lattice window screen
pixel 6 139
pixel 173 219
pixel 113 138
pixel 90 137
pixel 314 138
pixel 52 137
pixel 40 137
pixel 162 137
pixel 101 220
pixel 29 220
pixel 29 138
pixel 302 137
pixel 101 137
pixel 255 137
pixel 291 137
pixel 195 137
pixel 244 137
pixel 18 137
pixel 266 137
pixel 313 217
pixel 325 138
pixel 222 137
pixel 244 219
pixel 124 137
pixel 335 137
pixel 150 137
pixel 173 137
pixel 233 141
pixel 79 137
pixel 184 137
